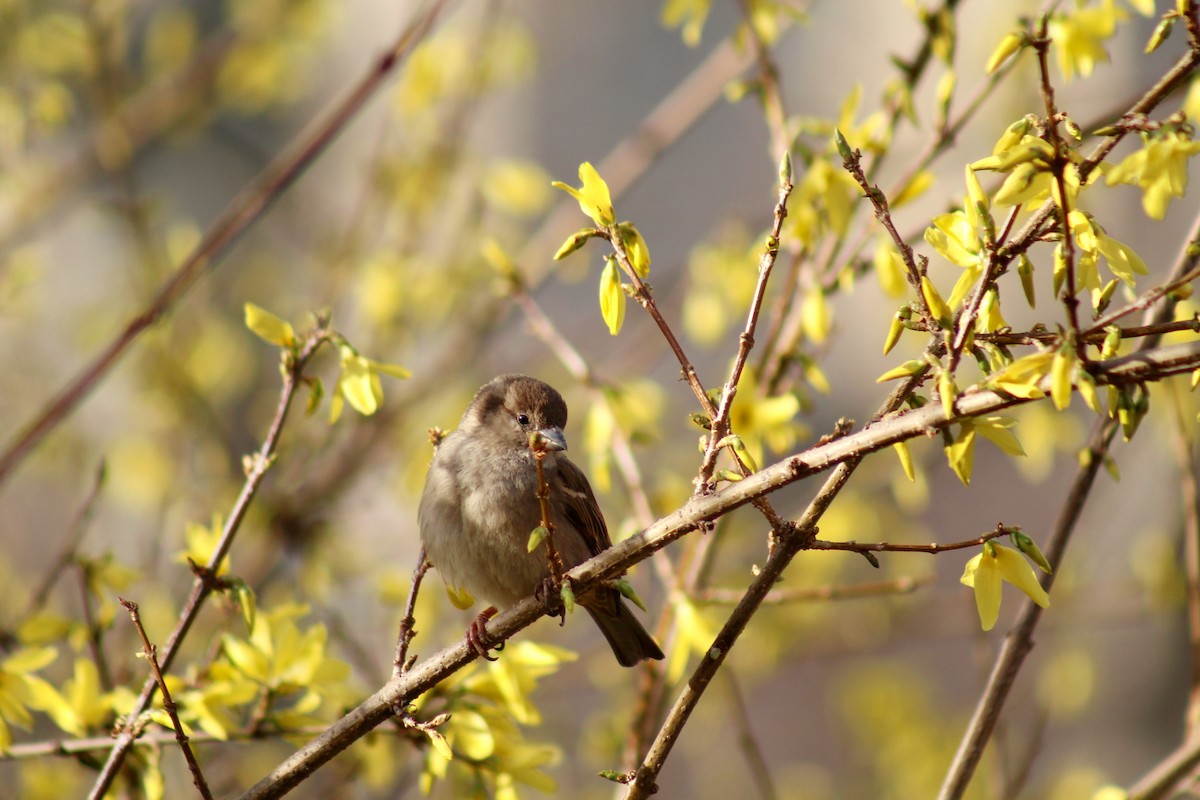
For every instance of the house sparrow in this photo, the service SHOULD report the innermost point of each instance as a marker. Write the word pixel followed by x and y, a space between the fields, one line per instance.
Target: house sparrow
pixel 480 506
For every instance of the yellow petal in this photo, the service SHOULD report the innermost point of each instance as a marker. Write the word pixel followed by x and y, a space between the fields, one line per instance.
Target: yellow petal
pixel 594 197
pixel 905 370
pixel 1010 44
pixel 986 582
pixel 269 327
pixel 612 298
pixel 1013 568
pixel 906 460
pixel 937 306
pixel 995 430
pixel 1060 378
pixel 359 384
pixel 961 454
pixel 636 249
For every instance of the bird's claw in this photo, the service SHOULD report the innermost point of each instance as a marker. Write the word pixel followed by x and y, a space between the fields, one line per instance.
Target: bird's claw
pixel 478 637
pixel 550 594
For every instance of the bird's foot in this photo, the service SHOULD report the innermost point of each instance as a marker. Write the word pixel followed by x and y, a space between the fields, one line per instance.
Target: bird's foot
pixel 478 637
pixel 550 594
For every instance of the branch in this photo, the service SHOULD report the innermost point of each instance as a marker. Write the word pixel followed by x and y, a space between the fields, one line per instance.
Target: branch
pixel 1161 782
pixel 802 534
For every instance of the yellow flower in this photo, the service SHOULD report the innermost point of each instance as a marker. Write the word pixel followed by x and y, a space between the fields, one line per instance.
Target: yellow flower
pixel 1021 377
pixel 1093 243
pixel 953 236
pixel 269 327
pixel 612 297
pixel 986 572
pixel 1159 168
pixel 872 134
pixel 202 543
pixel 1027 161
pixel 688 16
pixel 764 421
pixel 359 384
pixel 21 691
pixel 593 196
pixel 290 662
pixel 635 248
pixel 1079 37
pixel 824 200
pixel 990 319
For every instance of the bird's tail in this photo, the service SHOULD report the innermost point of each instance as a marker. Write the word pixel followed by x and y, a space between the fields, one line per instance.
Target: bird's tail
pixel 629 641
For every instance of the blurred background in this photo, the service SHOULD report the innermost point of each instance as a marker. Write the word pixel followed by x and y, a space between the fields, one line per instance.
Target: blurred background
pixel 126 126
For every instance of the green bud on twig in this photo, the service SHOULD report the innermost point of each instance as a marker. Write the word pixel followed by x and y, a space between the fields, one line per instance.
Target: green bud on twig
pixel 536 537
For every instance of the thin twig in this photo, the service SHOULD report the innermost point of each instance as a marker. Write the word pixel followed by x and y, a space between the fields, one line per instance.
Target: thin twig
pixel 71 543
pixel 652 691
pixel 769 91
pixel 913 269
pixel 151 654
pixel 1093 335
pixel 645 298
pixel 553 558
pixel 750 746
pixel 402 663
pixel 74 748
pixel 95 636
pixel 903 585
pixel 1041 46
pixel 932 549
pixel 964 324
pixel 644 781
pixel 719 426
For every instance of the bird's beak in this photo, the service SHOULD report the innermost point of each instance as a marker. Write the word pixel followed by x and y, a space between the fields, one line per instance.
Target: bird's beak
pixel 553 439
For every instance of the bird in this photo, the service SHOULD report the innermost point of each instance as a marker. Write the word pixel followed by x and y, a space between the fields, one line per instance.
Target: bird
pixel 480 505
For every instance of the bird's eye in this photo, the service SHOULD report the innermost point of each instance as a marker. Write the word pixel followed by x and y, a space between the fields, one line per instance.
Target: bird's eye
pixel 523 419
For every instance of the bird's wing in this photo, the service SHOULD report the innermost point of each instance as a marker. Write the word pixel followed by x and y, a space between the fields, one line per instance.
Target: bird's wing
pixel 580 507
